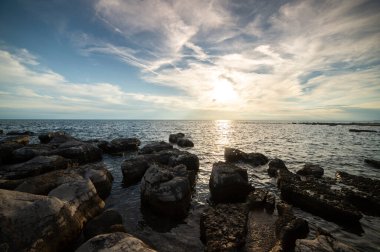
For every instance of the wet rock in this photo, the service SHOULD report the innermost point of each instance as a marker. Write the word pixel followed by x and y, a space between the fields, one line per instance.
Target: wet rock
pixel 117 242
pixel 121 145
pixel 155 147
pixel 134 169
pixel 311 170
pixel 173 138
pixel 30 151
pixel 78 152
pixel 228 183
pixel 107 222
pixel 185 142
pixel 20 133
pixel 359 130
pixel 183 157
pixel 33 167
pixel 223 227
pixel 232 155
pixel 318 198
pixel 35 223
pixel 1 132
pixel 55 138
pixel 6 150
pixel 274 166
pixel 167 190
pixel 23 139
pixel 373 163
pixel 81 198
pixel 261 198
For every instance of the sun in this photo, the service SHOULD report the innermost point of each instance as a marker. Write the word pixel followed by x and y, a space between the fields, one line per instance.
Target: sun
pixel 224 93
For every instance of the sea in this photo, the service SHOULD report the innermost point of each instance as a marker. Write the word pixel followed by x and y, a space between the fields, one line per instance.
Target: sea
pixel 334 148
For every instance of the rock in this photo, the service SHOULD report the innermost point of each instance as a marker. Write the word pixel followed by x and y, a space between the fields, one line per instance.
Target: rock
pixel 274 166
pixel 1 132
pixel 228 183
pixel 117 242
pixel 107 222
pixel 35 223
pixel 322 243
pixel 232 155
pixel 311 170
pixel 173 138
pixel 23 139
pixel 223 227
pixel 81 198
pixel 78 152
pixel 55 138
pixel 373 163
pixel 155 147
pixel 20 133
pixel 318 198
pixel 134 169
pixel 359 130
pixel 6 150
pixel 121 145
pixel 166 190
pixel 185 142
pixel 261 198
pixel 33 167
pixel 30 151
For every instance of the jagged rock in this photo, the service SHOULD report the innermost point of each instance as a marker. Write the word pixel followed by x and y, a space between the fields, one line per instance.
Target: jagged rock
pixel 81 198
pixel 359 130
pixel 185 142
pixel 232 155
pixel 167 190
pixel 223 227
pixel 20 133
pixel 55 138
pixel 109 221
pixel 78 152
pixel 155 147
pixel 35 223
pixel 318 198
pixel 228 183
pixel 30 151
pixel 373 163
pixel 311 170
pixel 33 167
pixel 261 198
pixel 117 242
pixel 274 166
pixel 183 157
pixel 173 138
pixel 120 145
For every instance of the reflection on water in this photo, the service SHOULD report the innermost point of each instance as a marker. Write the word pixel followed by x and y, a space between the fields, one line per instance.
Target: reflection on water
pixel 334 148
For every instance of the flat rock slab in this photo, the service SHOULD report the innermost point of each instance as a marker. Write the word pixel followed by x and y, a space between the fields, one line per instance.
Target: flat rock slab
pixel 261 232
pixel 223 227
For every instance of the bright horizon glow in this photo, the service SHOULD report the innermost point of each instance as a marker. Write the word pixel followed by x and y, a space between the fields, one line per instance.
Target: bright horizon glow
pixel 165 59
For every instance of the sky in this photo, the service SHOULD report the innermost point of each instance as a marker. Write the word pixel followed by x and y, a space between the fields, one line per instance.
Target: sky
pixel 198 59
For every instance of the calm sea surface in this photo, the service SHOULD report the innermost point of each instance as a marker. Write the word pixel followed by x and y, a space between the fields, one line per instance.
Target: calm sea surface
pixel 332 147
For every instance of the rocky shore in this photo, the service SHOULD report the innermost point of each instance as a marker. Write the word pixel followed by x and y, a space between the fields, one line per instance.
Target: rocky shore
pixel 52 196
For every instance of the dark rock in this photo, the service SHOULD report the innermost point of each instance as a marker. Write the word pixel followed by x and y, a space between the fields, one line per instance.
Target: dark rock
pixel 134 169
pixel 78 152
pixel 104 223
pixel 275 165
pixel 260 232
pixel 311 170
pixel 33 167
pixel 20 133
pixel 167 190
pixel 322 243
pixel 223 227
pixel 185 142
pixel 121 145
pixel 23 139
pixel 155 147
pixel 173 138
pixel 228 183
pixel 373 163
pixel 256 199
pixel 359 130
pixel 183 157
pixel 6 150
pixel 30 151
pixel 232 155
pixel 117 242
pixel 35 223
pixel 1 132
pixel 318 198
pixel 55 138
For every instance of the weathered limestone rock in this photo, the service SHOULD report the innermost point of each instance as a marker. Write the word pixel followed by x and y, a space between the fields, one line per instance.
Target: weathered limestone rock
pixel 120 145
pixel 173 138
pixel 311 170
pixel 275 165
pixel 155 147
pixel 232 155
pixel 109 221
pixel 30 151
pixel 78 152
pixel 185 142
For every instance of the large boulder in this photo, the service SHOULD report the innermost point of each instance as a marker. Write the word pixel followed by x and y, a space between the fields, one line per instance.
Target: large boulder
pixel 10 143
pixel 167 190
pixel 30 151
pixel 20 139
pixel 155 147
pixel 81 198
pixel 173 138
pixel 228 183
pixel 223 227
pixel 185 142
pixel 107 222
pixel 116 242
pixel 232 155
pixel 121 145
pixel 274 166
pixel 55 138
pixel 78 152
pixel 310 169
pixel 33 167
pixel 35 223
pixel 134 169
pixel 372 162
